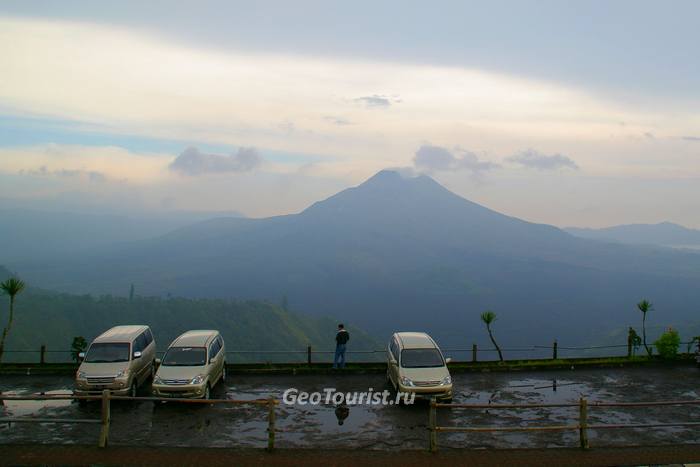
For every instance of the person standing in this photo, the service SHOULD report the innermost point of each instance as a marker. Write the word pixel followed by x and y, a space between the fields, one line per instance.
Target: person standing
pixel 341 340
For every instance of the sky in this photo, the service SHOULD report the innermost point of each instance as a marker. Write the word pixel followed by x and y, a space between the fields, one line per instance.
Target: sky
pixel 567 113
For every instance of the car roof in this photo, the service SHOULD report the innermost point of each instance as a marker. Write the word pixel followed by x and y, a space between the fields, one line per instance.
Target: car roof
pixel 415 340
pixel 195 338
pixel 125 333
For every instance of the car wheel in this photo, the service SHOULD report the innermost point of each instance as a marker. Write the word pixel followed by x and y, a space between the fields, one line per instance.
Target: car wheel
pixel 133 391
pixel 153 370
pixel 207 392
pixel 223 374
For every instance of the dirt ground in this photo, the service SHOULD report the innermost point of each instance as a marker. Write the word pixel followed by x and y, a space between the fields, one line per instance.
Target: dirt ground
pixel 122 455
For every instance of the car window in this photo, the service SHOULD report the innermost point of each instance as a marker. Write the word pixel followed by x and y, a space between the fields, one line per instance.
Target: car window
pixel 140 343
pixel 185 356
pixel 108 353
pixel 214 349
pixel 421 358
pixel 149 337
pixel 394 349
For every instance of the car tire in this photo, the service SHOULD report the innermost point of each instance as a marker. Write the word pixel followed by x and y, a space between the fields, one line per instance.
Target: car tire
pixel 134 389
pixel 153 370
pixel 223 374
pixel 207 392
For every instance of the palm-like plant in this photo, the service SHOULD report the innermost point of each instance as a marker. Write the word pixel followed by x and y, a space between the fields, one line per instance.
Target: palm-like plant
pixel 644 306
pixel 11 287
pixel 488 317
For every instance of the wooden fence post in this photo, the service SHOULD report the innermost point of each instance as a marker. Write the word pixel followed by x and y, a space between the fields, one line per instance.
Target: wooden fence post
pixel 106 417
pixel 554 350
pixel 42 354
pixel 271 424
pixel 583 423
pixel 473 352
pixel 308 355
pixel 432 425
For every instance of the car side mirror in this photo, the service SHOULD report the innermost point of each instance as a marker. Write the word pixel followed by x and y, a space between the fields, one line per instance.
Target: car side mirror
pixel 137 354
pixel 211 360
pixel 158 360
pixel 81 355
pixel 448 360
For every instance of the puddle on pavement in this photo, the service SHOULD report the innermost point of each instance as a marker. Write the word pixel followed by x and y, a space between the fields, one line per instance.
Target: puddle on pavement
pixel 374 426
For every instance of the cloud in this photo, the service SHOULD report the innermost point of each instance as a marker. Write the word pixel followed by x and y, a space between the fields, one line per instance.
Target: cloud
pixel 43 171
pixel 340 121
pixel 431 158
pixel 377 100
pixel 193 162
pixel 691 138
pixel 536 160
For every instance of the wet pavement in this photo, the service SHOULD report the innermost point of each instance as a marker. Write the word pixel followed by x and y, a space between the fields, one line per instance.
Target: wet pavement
pixel 375 426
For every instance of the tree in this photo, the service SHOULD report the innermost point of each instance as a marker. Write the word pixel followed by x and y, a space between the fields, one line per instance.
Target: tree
pixel 667 345
pixel 644 306
pixel 79 345
pixel 11 287
pixel 488 317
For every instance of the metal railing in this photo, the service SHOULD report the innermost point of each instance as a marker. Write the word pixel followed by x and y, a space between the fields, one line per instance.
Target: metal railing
pixel 581 423
pixel 311 355
pixel 106 412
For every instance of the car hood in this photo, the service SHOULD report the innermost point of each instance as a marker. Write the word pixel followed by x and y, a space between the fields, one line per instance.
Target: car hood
pixel 425 374
pixel 180 372
pixel 103 369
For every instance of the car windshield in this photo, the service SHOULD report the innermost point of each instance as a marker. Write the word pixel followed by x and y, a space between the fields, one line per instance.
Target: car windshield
pixel 108 353
pixel 421 358
pixel 185 356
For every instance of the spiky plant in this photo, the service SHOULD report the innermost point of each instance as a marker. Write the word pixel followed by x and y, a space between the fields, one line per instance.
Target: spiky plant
pixel 488 317
pixel 10 287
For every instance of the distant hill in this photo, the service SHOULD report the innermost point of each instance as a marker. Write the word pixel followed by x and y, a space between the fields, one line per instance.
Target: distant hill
pixel 39 235
pixel 662 234
pixel 53 319
pixel 398 253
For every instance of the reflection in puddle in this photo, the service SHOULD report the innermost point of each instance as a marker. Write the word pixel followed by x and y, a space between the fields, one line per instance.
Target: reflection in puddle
pixel 373 426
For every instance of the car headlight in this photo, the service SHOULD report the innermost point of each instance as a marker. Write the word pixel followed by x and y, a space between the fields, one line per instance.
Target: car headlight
pixel 81 375
pixel 446 380
pixel 123 373
pixel 197 379
pixel 157 380
pixel 406 382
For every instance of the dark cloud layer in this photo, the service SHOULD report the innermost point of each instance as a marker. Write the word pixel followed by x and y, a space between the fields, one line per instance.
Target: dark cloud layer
pixel 192 162
pixel 536 160
pixel 436 158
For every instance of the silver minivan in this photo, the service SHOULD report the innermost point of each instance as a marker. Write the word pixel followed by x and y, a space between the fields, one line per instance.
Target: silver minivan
pixel 415 364
pixel 194 363
pixel 120 359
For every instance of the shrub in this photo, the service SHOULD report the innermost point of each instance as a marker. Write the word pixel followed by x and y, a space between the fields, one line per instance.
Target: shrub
pixel 667 345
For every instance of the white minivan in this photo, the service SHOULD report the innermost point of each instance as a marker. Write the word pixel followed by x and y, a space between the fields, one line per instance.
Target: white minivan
pixel 415 364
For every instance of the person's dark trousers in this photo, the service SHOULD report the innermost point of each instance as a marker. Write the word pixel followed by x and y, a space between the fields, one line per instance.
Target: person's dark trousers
pixel 339 360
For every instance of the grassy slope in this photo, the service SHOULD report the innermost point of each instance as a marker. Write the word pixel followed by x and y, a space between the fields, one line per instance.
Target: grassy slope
pixel 54 319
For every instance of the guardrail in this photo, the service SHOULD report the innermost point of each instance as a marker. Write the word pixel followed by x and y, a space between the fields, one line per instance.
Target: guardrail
pixel 106 412
pixel 581 424
pixel 472 353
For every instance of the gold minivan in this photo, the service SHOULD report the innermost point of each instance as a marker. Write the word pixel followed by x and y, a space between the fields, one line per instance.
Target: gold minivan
pixel 192 366
pixel 120 359
pixel 415 364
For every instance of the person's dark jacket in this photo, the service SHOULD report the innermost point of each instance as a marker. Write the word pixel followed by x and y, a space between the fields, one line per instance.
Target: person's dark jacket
pixel 342 337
